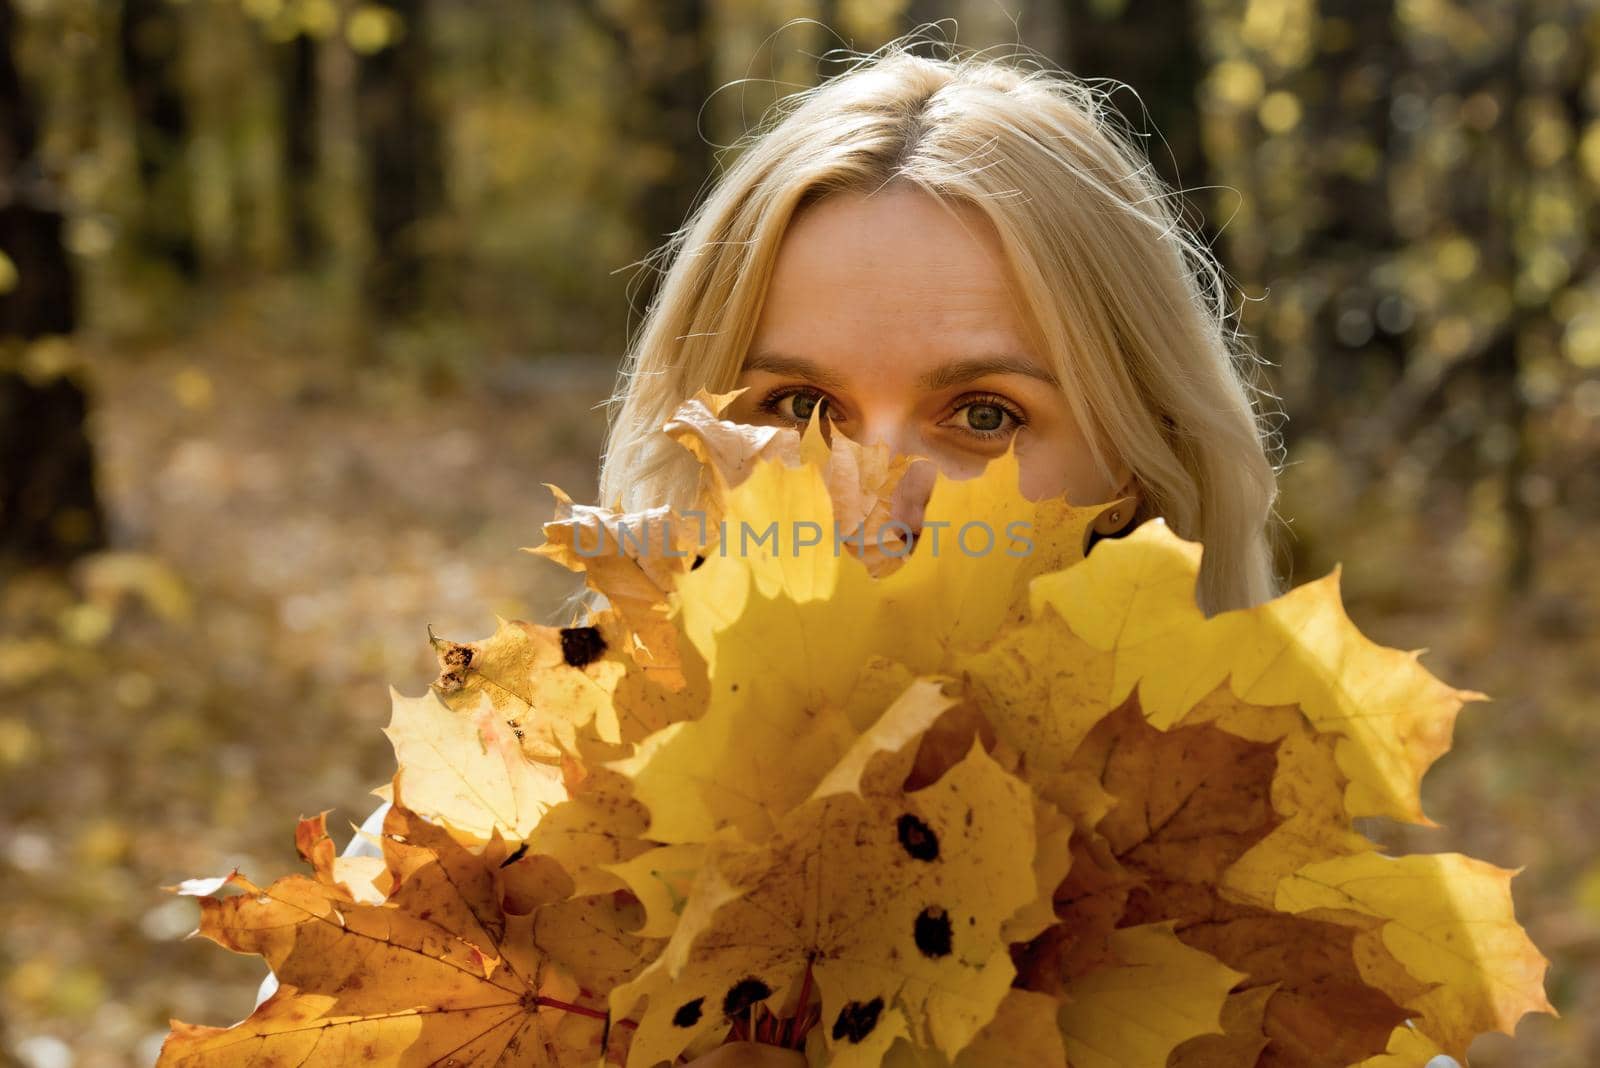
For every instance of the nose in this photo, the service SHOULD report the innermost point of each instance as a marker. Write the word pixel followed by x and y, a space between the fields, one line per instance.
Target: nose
pixel 910 500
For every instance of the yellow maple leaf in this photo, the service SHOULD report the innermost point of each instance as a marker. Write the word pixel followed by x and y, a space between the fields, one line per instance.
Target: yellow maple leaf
pixel 1449 920
pixel 860 479
pixel 1024 1033
pixel 951 593
pixel 600 826
pixel 1133 1014
pixel 544 682
pixel 467 768
pixel 1242 1040
pixel 1135 598
pixel 761 750
pixel 893 901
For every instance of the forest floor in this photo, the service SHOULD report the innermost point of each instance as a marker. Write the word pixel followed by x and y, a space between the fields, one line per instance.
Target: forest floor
pixel 285 534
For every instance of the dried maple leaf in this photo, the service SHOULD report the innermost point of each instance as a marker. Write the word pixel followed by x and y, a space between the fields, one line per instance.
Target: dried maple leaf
pixel 740 767
pixel 860 479
pixel 438 973
pixel 1448 919
pixel 1024 1033
pixel 1001 539
pixel 633 559
pixel 951 592
pixel 1135 599
pixel 365 879
pixel 467 768
pixel 1134 1013
pixel 545 682
pixel 598 828
pixel 894 901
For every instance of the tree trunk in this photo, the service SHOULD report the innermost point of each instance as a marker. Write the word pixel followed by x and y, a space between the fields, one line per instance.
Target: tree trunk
pixel 1155 48
pixel 405 170
pixel 1358 231
pixel 298 60
pixel 151 41
pixel 49 511
pixel 674 80
pixel 667 52
pixel 1510 193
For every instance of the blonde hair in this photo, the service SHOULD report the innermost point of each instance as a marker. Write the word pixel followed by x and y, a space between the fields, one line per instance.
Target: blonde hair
pixel 1126 304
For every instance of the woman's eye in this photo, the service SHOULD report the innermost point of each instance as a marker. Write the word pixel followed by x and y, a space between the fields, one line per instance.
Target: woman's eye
pixel 987 418
pixel 795 405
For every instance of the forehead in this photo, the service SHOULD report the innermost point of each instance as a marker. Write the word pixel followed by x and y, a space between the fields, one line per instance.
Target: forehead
pixel 897 272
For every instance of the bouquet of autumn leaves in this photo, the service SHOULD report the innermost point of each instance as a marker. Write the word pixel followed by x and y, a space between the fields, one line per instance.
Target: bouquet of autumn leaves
pixel 889 805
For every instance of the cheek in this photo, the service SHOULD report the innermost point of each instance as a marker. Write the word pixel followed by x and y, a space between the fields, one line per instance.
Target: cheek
pixel 1061 465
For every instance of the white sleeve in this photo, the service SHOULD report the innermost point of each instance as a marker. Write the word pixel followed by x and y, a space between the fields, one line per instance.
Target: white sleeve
pixel 360 846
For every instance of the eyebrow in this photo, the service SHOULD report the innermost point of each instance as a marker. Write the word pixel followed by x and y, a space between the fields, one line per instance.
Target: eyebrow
pixel 953 373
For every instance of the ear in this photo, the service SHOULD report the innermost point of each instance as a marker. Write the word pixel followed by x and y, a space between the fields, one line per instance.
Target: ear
pixel 1118 517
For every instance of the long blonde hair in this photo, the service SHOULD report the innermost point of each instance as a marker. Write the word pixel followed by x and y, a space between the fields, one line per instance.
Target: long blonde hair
pixel 1129 307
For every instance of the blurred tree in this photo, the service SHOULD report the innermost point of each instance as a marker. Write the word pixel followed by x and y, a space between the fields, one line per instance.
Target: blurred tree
pixel 921 12
pixel 298 79
pixel 151 39
pixel 1420 202
pixel 828 13
pixel 49 511
pixel 665 57
pixel 1511 191
pixel 405 169
pixel 1155 49
pixel 1353 234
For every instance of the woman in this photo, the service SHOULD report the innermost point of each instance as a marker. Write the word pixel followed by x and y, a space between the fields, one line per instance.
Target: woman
pixel 946 254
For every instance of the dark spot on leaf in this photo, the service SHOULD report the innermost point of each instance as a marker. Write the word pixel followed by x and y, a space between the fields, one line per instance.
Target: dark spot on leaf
pixel 698 560
pixel 581 646
pixel 856 1020
pixel 688 1013
pixel 516 855
pixel 743 994
pixel 733 688
pixel 932 932
pixel 918 838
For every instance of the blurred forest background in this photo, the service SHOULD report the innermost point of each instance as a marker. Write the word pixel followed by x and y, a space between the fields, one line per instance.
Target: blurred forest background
pixel 301 300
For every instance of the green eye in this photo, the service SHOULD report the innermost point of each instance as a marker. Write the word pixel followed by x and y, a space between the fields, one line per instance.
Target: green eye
pixel 794 405
pixel 985 417
pixel 804 404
